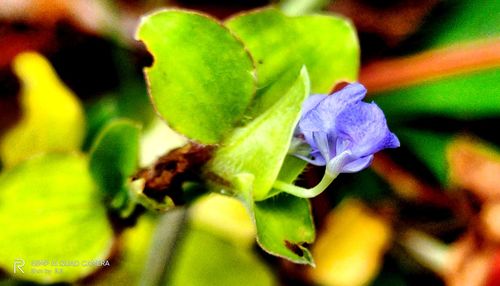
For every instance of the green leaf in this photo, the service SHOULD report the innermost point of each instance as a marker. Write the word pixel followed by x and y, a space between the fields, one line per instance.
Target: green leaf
pixel 283 222
pixel 202 78
pixel 114 157
pixel 204 259
pixel 291 169
pixel 462 21
pixel 225 217
pixel 430 148
pixel 280 45
pixel 98 114
pixel 284 225
pixel 50 210
pixel 465 96
pixel 260 147
pixel 136 243
pixel 52 116
pixel 330 50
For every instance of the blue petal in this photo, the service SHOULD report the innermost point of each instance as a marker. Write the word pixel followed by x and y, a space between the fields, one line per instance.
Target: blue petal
pixel 323 144
pixel 357 165
pixel 343 131
pixel 365 126
pixel 352 92
pixel 323 110
pixel 311 102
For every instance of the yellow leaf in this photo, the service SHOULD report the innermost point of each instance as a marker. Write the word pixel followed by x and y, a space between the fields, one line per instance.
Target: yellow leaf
pixel 52 117
pixel 224 216
pixel 350 247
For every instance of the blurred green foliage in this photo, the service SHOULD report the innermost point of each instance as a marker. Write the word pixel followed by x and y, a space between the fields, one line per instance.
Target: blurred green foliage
pixel 113 159
pixel 51 211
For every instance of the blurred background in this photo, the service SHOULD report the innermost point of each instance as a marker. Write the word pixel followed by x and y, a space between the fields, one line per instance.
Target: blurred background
pixel 428 212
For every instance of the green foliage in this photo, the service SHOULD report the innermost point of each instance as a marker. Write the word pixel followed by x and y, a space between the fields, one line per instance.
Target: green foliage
pixel 130 100
pixel 430 147
pixel 114 158
pixel 50 209
pixel 136 243
pixel 292 167
pixel 284 227
pixel 98 114
pixel 464 21
pixel 203 259
pixel 464 96
pixel 202 78
pixel 260 147
pixel 281 45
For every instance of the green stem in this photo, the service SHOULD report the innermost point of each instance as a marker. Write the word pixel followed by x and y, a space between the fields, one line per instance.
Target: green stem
pixel 303 192
pixel 168 233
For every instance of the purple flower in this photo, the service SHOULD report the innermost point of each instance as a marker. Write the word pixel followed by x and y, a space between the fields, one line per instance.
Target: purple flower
pixel 343 131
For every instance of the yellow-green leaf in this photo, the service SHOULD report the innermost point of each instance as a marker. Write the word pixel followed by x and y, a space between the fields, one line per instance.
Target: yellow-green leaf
pixel 204 260
pixel 260 147
pixel 280 45
pixel 202 78
pixel 51 216
pixel 52 117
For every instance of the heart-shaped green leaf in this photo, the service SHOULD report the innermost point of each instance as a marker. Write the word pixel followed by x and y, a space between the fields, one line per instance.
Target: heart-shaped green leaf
pixel 260 147
pixel 202 78
pixel 51 212
pixel 280 45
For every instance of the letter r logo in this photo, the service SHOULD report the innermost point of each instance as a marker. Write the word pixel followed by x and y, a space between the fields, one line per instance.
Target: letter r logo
pixel 18 265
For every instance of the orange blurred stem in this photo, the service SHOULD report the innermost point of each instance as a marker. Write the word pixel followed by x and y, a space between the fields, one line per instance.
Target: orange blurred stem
pixel 434 64
pixel 406 185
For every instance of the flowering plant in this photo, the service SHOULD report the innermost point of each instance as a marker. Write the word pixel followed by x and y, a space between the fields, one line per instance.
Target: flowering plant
pixel 343 133
pixel 235 107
